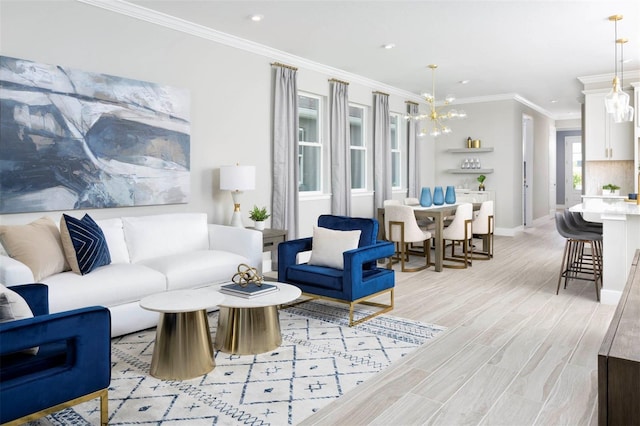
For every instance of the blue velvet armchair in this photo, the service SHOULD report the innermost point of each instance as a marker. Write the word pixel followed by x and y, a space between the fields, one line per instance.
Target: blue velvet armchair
pixel 72 365
pixel 360 280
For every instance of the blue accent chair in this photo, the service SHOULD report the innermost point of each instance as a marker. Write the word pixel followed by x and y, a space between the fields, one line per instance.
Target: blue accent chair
pixel 73 363
pixel 360 280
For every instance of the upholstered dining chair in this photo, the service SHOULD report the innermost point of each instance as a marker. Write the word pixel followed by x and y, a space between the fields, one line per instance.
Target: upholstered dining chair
pixel 426 224
pixel 344 275
pixel 402 229
pixel 386 203
pixel 52 361
pixel 459 231
pixel 482 225
pixel 411 201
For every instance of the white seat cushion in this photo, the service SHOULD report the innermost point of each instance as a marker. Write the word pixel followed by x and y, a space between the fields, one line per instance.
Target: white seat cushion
pixel 109 285
pixel 196 268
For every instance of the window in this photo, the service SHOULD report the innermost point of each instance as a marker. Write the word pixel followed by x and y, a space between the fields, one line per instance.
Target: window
pixel 358 148
pixel 396 171
pixel 310 144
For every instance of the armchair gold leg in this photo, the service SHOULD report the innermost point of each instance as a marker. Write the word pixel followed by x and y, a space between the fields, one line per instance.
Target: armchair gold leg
pixel 104 408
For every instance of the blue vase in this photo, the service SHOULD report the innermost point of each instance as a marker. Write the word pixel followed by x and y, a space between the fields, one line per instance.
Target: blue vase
pixel 425 197
pixel 438 196
pixel 450 195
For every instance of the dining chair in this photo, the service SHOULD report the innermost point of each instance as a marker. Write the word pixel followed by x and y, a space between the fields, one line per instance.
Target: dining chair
pixel 401 227
pixel 386 203
pixel 459 231
pixel 482 225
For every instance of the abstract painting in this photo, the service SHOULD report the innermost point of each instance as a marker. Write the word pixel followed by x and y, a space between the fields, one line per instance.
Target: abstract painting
pixel 72 139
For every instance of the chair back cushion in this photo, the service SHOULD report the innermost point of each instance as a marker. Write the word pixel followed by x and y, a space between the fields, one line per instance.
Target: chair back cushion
pixel 329 245
pixel 367 226
pixel 406 215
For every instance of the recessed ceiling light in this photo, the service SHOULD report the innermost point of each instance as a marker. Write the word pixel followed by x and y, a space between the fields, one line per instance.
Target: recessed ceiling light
pixel 554 101
pixel 256 18
pixel 388 46
pixel 464 81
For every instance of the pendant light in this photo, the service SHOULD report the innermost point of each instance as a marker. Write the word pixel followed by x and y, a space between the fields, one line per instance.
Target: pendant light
pixel 617 101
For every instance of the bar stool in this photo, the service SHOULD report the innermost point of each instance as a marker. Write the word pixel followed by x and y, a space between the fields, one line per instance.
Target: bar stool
pixel 577 264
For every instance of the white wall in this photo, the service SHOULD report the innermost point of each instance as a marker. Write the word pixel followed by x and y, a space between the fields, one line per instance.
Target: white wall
pixel 231 106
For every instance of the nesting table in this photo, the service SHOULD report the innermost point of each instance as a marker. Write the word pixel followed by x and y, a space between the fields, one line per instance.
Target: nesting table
pixel 183 347
pixel 252 326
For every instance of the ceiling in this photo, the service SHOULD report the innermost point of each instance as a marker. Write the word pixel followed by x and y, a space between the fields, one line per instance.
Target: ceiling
pixel 535 49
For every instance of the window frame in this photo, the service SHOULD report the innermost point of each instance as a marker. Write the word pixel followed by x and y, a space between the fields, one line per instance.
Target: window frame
pixel 320 145
pixel 397 149
pixel 363 147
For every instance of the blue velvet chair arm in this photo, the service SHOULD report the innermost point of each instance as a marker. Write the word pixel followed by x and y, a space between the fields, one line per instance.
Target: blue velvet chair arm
pixel 287 252
pixel 89 326
pixel 86 368
pixel 36 296
pixel 353 276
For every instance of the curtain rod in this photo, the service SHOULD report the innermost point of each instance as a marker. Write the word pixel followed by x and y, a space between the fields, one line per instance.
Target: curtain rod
pixel 411 103
pixel 278 64
pixel 380 93
pixel 338 81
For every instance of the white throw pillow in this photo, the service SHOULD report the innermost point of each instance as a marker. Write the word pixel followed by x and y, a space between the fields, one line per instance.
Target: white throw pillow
pixel 14 307
pixel 329 245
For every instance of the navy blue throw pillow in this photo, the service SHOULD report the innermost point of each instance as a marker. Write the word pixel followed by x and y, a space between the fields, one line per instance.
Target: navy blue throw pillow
pixel 84 244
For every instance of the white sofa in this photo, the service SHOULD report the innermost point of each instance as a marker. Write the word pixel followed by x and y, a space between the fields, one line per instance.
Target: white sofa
pixel 149 254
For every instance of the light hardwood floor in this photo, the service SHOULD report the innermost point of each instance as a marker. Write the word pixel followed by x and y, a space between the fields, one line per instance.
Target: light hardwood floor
pixel 514 353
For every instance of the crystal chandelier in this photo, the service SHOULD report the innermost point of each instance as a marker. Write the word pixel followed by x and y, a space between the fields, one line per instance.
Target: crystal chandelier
pixel 436 116
pixel 617 101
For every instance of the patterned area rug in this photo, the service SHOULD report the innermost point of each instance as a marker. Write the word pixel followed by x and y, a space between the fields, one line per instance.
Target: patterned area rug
pixel 320 359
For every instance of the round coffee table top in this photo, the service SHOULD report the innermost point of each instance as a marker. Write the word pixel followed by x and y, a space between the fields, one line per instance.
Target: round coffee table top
pixel 286 293
pixel 176 301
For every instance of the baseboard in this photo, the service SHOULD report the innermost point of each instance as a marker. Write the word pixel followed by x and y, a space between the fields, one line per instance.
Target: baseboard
pixel 610 297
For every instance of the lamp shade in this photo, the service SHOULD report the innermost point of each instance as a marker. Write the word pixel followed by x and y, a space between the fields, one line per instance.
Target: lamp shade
pixel 237 178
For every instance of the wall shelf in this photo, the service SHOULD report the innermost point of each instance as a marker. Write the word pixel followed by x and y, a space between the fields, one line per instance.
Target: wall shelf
pixel 469 150
pixel 470 171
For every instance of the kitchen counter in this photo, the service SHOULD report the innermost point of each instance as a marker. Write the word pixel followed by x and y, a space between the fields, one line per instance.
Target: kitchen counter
pixel 621 238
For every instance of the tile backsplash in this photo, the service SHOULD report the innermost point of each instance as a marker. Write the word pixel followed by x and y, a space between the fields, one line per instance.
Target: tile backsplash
pixel 599 173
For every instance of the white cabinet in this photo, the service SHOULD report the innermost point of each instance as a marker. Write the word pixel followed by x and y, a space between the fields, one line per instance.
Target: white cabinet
pixel 605 139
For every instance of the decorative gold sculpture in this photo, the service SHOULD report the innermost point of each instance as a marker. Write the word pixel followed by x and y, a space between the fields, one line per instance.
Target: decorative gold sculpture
pixel 247 275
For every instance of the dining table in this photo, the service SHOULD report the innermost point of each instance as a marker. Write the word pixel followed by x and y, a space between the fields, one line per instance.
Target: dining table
pixel 438 214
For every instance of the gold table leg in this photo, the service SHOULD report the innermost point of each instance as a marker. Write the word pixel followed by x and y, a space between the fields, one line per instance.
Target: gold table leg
pixel 248 331
pixel 183 347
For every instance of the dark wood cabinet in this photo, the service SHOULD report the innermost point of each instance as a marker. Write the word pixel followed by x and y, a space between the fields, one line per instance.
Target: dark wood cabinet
pixel 619 358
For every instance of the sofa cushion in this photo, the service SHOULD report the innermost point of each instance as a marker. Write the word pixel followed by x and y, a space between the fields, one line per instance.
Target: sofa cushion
pixel 155 236
pixel 328 246
pixel 114 234
pixel 109 285
pixel 196 268
pixel 37 245
pixel 85 246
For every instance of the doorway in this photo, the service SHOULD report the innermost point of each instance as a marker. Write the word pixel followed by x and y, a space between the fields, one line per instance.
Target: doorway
pixel 527 170
pixel 572 170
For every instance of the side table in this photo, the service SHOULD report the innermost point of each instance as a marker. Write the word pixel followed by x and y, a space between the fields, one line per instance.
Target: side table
pixel 271 238
pixel 183 348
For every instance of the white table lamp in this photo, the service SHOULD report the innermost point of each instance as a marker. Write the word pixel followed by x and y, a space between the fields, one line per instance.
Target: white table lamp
pixel 237 179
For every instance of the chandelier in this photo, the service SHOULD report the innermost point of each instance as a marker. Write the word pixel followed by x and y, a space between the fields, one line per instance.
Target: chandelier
pixel 617 101
pixel 436 116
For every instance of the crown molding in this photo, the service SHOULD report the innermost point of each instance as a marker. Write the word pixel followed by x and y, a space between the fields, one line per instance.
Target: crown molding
pixel 606 78
pixel 144 14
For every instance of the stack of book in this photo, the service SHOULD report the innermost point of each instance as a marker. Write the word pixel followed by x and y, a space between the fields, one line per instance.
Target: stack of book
pixel 248 292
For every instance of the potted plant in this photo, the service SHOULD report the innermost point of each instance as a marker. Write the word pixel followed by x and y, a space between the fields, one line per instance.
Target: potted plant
pixel 481 179
pixel 610 189
pixel 259 215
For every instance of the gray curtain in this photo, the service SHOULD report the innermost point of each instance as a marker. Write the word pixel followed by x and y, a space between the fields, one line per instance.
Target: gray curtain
pixel 413 153
pixel 284 202
pixel 340 149
pixel 381 149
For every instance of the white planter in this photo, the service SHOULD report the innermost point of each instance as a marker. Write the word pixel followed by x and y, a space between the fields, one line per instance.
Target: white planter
pixel 259 225
pixel 610 192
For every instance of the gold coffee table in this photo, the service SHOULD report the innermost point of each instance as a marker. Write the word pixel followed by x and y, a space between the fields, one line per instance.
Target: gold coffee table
pixel 183 347
pixel 252 326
